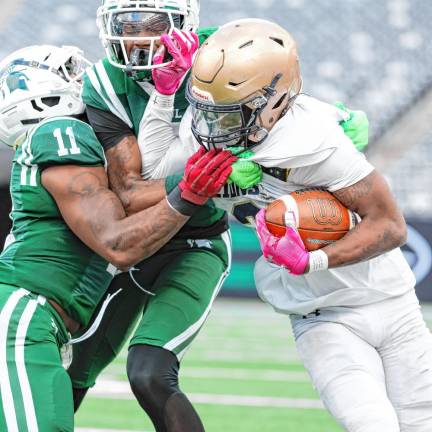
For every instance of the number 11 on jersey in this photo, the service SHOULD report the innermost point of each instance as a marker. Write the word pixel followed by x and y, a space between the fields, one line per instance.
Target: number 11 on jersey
pixel 63 151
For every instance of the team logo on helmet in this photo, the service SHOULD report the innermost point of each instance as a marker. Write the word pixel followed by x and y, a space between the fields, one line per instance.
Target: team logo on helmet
pixel 17 81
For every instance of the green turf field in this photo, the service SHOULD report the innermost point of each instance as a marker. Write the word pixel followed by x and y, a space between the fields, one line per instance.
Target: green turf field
pixel 242 373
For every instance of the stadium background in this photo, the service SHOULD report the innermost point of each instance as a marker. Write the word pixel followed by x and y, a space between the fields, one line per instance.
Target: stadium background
pixel 375 56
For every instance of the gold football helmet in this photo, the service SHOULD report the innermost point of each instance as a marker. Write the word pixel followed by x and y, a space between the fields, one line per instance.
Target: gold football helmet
pixel 244 78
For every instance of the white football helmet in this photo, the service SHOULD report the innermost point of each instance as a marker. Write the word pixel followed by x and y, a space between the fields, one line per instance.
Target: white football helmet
pixel 141 22
pixel 36 83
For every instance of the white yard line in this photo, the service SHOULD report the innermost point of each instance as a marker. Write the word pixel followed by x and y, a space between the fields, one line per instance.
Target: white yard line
pixel 272 375
pixel 256 401
pixel 120 390
pixel 245 356
pixel 245 374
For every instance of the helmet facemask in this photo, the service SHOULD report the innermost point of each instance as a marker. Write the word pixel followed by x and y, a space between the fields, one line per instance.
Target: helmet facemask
pixel 130 30
pixel 245 123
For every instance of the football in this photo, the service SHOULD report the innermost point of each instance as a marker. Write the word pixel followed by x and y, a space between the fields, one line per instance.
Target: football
pixel 319 217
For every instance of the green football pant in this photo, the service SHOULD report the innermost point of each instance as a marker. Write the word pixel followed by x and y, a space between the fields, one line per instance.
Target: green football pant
pixel 185 276
pixel 36 392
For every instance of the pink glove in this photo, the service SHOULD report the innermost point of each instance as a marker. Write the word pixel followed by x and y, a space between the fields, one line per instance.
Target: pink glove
pixel 287 251
pixel 182 46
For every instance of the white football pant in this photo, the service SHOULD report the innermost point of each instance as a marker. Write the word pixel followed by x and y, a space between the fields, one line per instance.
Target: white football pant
pixel 372 365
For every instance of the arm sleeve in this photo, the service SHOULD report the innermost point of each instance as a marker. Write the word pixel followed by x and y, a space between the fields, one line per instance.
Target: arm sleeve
pixel 343 168
pixel 164 148
pixel 109 129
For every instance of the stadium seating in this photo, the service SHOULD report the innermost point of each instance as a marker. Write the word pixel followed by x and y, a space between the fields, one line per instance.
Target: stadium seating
pixel 372 55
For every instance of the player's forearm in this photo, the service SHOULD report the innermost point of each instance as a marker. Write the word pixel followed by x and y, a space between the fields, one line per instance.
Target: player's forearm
pixel 163 151
pixel 96 215
pixel 156 133
pixel 382 228
pixel 137 194
pixel 125 180
pixel 137 237
pixel 367 240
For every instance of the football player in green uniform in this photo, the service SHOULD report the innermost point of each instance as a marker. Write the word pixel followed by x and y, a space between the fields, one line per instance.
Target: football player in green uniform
pixel 69 233
pixel 185 276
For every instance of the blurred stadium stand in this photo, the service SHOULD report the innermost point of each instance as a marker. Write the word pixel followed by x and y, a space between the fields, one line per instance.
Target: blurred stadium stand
pixel 373 55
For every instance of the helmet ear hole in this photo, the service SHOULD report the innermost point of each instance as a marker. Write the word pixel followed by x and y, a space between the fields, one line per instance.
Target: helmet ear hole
pixel 35 106
pixel 51 101
pixel 280 101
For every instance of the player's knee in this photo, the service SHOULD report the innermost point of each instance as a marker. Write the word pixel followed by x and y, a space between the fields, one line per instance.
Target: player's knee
pixel 152 371
pixel 144 382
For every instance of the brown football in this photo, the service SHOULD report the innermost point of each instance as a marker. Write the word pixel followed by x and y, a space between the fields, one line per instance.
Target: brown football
pixel 319 217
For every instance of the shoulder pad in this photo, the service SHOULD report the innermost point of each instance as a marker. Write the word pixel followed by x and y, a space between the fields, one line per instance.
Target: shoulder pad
pixel 106 88
pixel 205 32
pixel 63 141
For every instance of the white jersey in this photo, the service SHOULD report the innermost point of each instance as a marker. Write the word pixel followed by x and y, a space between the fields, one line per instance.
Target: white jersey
pixel 306 148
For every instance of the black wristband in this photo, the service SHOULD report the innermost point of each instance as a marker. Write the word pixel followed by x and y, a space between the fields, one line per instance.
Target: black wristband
pixel 179 204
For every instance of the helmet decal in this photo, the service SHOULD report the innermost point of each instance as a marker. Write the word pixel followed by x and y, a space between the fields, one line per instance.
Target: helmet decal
pixel 17 81
pixel 201 95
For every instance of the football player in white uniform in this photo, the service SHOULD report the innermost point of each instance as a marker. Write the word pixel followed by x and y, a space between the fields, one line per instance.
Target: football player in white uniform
pixel 352 305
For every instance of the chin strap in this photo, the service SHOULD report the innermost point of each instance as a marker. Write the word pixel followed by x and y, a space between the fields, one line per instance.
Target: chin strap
pixel 271 89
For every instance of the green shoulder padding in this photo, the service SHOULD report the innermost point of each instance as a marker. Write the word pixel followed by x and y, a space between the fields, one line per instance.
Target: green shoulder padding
pixel 90 95
pixel 205 32
pixel 63 141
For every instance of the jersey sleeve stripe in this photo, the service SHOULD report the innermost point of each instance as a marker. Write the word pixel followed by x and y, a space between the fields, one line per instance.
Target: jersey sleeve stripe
pixel 23 154
pixel 95 83
pixel 118 107
pixel 33 175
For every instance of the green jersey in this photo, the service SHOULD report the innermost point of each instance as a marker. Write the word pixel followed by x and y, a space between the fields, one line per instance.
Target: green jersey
pixel 110 89
pixel 43 255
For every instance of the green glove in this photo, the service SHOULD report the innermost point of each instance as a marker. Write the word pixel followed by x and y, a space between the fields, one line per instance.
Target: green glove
pixel 356 128
pixel 245 173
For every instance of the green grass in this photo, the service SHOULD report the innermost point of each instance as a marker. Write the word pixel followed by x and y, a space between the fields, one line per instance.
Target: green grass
pixel 245 350
pixel 121 414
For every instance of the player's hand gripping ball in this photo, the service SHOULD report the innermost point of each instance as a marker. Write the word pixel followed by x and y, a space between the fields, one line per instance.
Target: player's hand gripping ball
pixel 205 174
pixel 287 251
pixel 318 216
pixel 296 224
